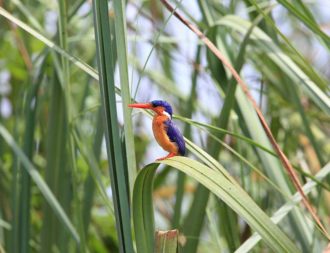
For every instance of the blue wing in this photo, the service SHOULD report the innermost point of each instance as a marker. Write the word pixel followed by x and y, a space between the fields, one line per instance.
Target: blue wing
pixel 175 136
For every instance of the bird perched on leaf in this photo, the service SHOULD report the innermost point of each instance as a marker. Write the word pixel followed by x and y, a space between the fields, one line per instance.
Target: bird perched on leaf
pixel 166 133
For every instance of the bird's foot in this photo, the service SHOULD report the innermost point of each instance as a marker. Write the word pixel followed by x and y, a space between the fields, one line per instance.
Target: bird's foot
pixel 168 156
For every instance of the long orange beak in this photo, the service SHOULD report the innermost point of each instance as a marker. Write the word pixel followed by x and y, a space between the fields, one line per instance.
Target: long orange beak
pixel 142 106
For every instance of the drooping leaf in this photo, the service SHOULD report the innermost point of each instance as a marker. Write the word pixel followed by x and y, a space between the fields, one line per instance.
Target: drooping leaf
pixel 218 184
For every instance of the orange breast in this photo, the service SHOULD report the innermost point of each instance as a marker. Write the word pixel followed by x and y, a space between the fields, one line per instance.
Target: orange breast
pixel 161 137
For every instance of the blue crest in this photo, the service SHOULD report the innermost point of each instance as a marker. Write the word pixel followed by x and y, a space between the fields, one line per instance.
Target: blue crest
pixel 164 104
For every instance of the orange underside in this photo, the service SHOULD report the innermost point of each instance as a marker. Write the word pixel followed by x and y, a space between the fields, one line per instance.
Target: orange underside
pixel 161 137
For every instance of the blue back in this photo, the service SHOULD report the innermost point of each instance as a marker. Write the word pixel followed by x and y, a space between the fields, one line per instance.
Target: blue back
pixel 164 104
pixel 175 136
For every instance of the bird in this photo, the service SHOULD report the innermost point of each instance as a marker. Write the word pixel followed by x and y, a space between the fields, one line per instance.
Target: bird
pixel 165 131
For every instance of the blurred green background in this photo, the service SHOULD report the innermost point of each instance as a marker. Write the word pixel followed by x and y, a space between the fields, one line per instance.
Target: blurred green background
pixel 70 154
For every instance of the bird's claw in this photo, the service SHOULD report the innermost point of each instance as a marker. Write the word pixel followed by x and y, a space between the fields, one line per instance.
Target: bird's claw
pixel 168 156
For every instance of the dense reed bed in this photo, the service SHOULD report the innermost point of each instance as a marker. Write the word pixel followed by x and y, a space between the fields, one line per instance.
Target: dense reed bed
pixel 77 170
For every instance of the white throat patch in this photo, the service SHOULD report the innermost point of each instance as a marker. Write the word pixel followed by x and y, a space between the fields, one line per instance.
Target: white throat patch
pixel 167 114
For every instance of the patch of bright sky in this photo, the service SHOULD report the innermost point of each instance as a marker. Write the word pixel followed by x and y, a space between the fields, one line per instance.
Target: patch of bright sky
pixel 5 89
pixel 186 47
pixel 84 9
pixel 5 107
pixel 51 22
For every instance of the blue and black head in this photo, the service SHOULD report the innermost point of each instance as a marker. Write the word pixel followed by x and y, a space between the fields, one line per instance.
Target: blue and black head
pixel 161 103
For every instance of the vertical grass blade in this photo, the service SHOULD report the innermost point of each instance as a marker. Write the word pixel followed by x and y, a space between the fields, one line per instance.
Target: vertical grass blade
pixel 121 46
pixel 71 152
pixel 105 53
pixel 56 175
pixel 30 121
pixel 89 186
pixel 14 189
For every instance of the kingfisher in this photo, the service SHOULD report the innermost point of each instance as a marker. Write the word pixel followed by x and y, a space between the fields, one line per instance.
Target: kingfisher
pixel 166 133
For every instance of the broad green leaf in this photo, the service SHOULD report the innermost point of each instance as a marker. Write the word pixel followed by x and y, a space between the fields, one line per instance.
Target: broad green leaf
pixel 121 46
pixel 218 184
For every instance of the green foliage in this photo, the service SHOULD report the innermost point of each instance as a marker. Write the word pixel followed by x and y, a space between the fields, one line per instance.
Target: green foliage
pixel 218 182
pixel 68 69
